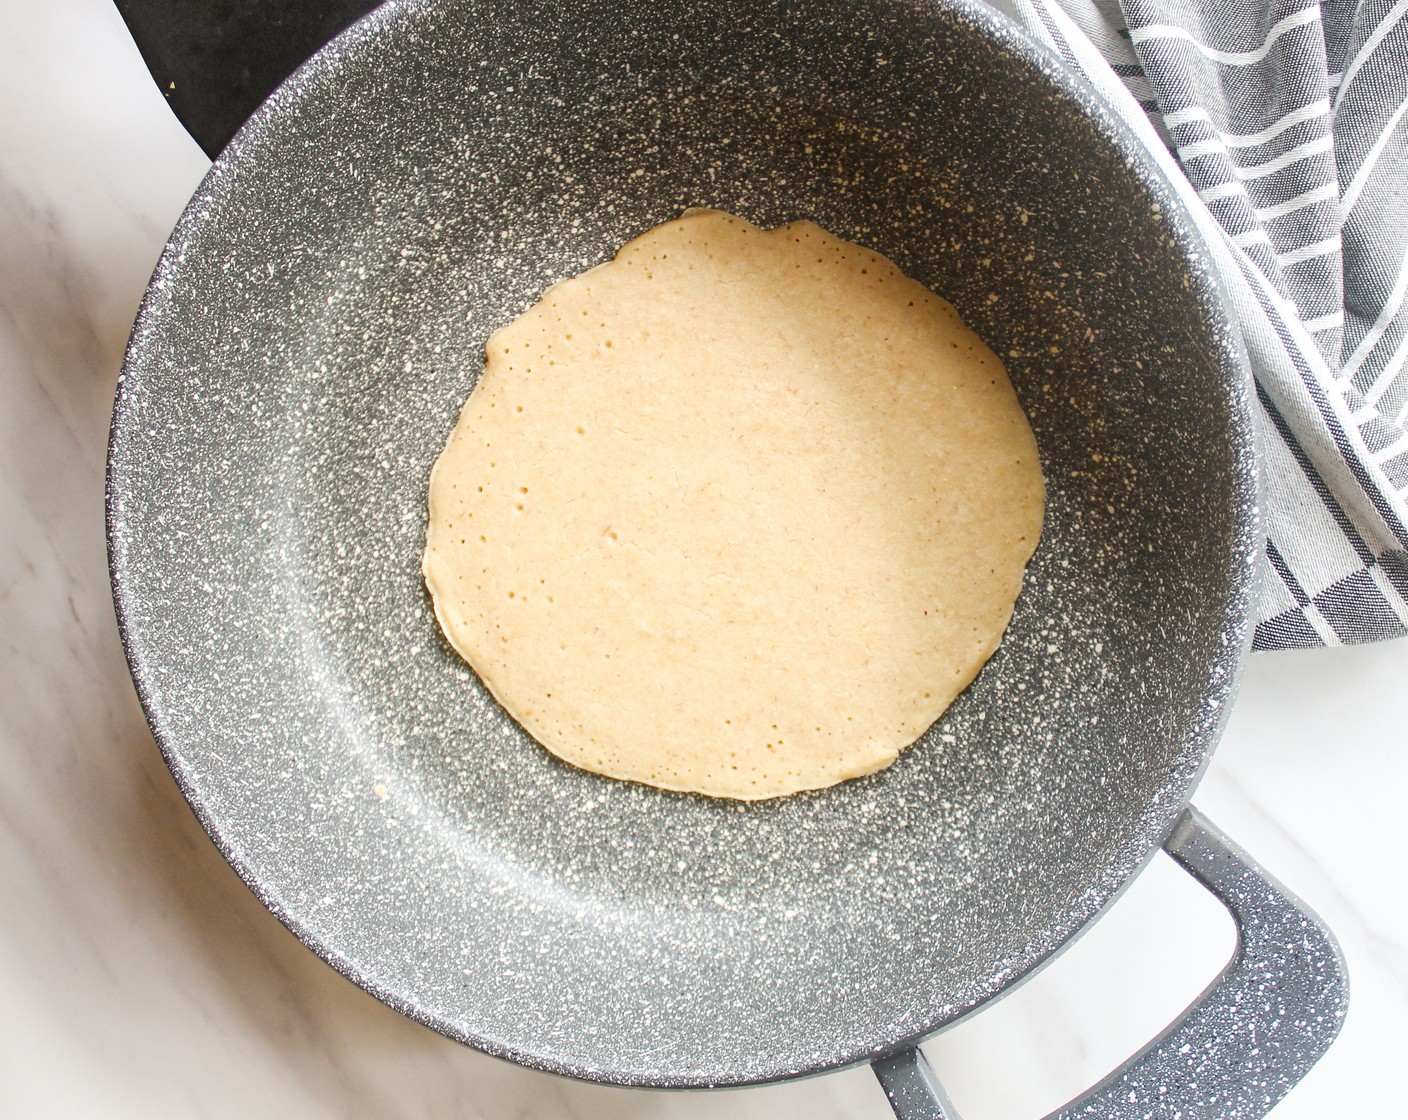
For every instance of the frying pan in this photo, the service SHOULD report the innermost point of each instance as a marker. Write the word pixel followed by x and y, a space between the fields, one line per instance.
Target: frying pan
pixel 315 323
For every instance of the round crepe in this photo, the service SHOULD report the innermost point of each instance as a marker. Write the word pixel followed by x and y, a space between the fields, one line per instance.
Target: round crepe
pixel 739 512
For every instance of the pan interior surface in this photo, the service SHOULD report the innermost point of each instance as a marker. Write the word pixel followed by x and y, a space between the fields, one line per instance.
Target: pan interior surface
pixel 311 332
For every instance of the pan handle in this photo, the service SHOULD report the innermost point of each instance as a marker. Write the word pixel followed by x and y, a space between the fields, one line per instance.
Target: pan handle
pixel 1241 1045
pixel 216 62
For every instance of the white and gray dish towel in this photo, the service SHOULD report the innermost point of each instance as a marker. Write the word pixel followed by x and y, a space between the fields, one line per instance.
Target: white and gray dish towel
pixel 1285 127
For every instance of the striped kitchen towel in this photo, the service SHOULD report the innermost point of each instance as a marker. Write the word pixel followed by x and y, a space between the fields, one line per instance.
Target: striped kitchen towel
pixel 1285 127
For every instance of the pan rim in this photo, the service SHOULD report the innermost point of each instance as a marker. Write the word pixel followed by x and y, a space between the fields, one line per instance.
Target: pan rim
pixel 1159 817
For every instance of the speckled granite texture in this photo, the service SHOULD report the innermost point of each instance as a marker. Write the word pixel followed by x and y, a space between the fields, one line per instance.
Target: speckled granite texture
pixel 311 331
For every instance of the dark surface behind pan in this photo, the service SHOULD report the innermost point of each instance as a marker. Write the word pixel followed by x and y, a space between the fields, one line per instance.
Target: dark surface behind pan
pixel 312 330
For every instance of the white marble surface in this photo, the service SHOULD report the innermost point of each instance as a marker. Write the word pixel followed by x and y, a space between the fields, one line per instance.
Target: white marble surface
pixel 141 979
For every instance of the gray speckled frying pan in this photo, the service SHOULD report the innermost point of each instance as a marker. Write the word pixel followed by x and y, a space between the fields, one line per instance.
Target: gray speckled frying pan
pixel 316 321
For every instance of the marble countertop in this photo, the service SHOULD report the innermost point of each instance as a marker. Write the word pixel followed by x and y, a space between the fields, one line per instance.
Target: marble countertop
pixel 142 979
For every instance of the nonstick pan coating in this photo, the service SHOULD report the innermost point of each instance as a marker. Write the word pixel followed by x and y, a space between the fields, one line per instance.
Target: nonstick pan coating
pixel 310 334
